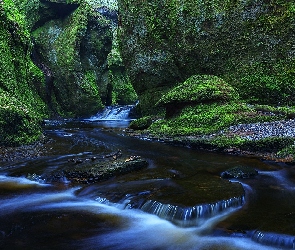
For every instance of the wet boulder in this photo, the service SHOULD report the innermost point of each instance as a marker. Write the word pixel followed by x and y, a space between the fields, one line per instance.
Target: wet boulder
pixel 239 172
pixel 97 168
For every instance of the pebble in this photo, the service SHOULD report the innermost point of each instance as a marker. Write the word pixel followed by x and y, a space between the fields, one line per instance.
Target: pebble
pixel 258 131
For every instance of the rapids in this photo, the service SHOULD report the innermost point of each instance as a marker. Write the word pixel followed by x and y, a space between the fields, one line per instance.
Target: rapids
pixel 178 202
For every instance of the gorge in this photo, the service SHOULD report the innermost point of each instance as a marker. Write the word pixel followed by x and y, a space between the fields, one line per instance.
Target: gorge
pixel 204 161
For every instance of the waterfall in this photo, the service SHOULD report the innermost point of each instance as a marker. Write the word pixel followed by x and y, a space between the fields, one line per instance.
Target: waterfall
pixel 113 113
pixel 191 216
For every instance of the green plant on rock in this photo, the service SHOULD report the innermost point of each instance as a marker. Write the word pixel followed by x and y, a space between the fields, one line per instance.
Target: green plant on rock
pixel 141 123
pixel 200 89
pixel 223 142
pixel 21 82
pixel 19 123
pixel 287 152
pixel 209 118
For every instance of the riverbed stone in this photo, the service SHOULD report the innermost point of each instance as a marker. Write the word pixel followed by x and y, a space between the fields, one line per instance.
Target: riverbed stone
pixel 95 169
pixel 239 172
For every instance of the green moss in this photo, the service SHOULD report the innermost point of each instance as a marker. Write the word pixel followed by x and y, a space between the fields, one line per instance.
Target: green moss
pixel 90 83
pixel 75 49
pixel 269 144
pixel 21 82
pixel 17 19
pixel 287 152
pixel 74 29
pixel 19 123
pixel 29 11
pixel 254 53
pixel 207 119
pixel 122 91
pixel 200 89
pixel 141 123
pixel 265 84
pixel 223 142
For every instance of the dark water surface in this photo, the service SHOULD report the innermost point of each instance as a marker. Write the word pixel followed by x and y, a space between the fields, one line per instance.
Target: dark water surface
pixel 141 210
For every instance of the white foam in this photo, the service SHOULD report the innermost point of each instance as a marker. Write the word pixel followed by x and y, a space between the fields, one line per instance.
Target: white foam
pixel 33 201
pixel 19 181
pixel 145 231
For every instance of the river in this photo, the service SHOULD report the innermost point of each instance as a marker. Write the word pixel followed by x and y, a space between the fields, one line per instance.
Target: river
pixel 37 214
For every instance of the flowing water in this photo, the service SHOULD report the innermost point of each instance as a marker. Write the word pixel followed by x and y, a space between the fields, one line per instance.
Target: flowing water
pixel 178 202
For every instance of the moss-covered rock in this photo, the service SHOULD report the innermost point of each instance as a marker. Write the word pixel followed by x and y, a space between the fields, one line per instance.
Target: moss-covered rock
pixel 202 119
pixel 72 52
pixel 239 172
pixel 21 82
pixel 141 123
pixel 122 91
pixel 95 169
pixel 249 44
pixel 197 89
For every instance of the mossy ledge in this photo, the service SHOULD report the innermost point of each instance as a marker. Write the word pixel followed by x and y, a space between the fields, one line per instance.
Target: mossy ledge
pixel 208 114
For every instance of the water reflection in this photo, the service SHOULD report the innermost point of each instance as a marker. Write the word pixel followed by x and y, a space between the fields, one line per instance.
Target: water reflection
pixel 120 213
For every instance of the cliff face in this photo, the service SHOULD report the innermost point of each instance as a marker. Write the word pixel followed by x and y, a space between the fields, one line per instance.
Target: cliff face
pixel 250 44
pixel 58 58
pixel 21 81
pixel 76 50
pixel 72 51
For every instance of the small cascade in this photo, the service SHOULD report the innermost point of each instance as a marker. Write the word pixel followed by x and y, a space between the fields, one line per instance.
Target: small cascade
pixel 274 239
pixel 113 113
pixel 191 216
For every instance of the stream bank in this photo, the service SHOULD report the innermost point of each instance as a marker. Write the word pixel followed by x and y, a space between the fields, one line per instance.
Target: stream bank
pixel 272 141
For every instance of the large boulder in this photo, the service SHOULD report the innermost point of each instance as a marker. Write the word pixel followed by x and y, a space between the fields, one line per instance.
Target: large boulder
pixel 96 168
pixel 250 44
pixel 195 90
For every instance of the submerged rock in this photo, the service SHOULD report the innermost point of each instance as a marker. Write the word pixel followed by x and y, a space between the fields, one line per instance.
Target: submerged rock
pixel 240 172
pixel 96 169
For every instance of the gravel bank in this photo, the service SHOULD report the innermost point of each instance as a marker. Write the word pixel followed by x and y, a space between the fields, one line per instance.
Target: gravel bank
pixel 258 131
